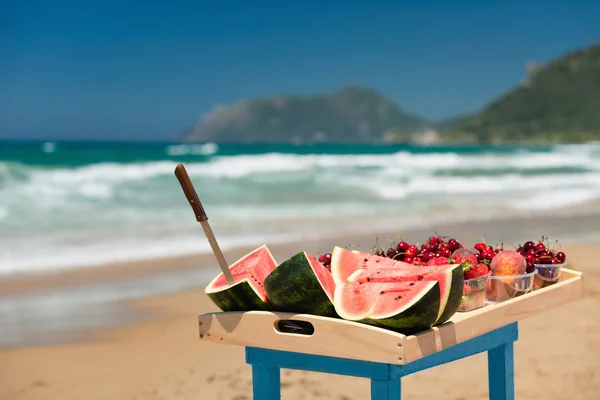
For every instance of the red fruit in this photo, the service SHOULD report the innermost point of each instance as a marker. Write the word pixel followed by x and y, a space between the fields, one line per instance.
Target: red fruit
pixel 482 269
pixel 545 257
pixel 555 261
pixel 411 251
pixel 522 252
pixel 392 253
pixel 325 259
pixel 480 247
pixel 528 245
pixel 472 259
pixel 457 258
pixel 540 247
pixel 445 252
pixel 427 256
pixel 466 290
pixel 402 247
pixel 530 267
pixel 489 254
pixel 434 240
pixel 532 251
pixel 561 257
pixel 453 245
pixel 438 261
pixel 476 271
pixel 530 258
pixel 409 259
pixel 479 257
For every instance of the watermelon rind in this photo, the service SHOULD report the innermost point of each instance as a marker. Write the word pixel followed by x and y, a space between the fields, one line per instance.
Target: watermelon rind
pixel 246 294
pixel 294 287
pixel 419 314
pixel 454 295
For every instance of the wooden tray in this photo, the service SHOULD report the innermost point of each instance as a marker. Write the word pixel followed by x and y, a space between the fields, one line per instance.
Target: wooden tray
pixel 338 338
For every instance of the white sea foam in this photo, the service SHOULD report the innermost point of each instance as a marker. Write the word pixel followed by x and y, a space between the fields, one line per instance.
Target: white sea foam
pixel 53 217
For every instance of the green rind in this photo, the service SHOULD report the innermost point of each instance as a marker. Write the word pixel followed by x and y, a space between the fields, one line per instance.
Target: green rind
pixel 239 297
pixel 293 287
pixel 455 296
pixel 420 316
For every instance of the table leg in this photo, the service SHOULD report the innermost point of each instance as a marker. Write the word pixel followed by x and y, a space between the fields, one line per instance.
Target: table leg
pixel 501 372
pixel 266 383
pixel 385 390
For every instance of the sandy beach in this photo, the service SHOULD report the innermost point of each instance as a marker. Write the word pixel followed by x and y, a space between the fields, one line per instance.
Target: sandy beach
pixel 160 356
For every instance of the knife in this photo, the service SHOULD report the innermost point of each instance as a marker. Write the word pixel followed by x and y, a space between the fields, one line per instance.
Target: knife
pixel 192 197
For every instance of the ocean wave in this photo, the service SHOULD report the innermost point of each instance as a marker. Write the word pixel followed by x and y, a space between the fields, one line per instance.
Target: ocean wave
pixel 110 211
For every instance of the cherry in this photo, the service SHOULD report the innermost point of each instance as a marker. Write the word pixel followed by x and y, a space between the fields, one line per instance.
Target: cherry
pixel 479 257
pixel 522 252
pixel 530 267
pixel 530 258
pixel 555 261
pixel 545 257
pixel 540 247
pixel 417 260
pixel 434 240
pixel 561 257
pixel 489 254
pixel 480 247
pixel 391 253
pixel 412 251
pixel 402 246
pixel 409 259
pixel 427 256
pixel 325 259
pixel 445 252
pixel 453 245
pixel 528 245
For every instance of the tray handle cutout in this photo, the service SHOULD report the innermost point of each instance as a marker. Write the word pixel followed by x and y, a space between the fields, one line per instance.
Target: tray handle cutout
pixel 294 327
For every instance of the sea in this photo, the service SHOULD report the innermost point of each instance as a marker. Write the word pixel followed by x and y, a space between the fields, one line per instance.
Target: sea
pixel 83 204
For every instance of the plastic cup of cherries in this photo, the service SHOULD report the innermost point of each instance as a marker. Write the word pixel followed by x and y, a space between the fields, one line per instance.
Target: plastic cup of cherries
pixel 546 259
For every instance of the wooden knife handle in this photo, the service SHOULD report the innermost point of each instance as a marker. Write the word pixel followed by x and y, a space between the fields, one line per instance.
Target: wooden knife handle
pixel 190 193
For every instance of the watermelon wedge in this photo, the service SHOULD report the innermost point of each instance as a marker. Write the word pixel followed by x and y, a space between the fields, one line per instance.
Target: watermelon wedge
pixel 405 307
pixel 301 285
pixel 344 262
pixel 450 278
pixel 247 293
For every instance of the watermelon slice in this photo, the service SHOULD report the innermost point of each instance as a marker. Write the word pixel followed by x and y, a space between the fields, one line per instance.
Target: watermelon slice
pixel 406 307
pixel 301 285
pixel 247 292
pixel 450 278
pixel 344 262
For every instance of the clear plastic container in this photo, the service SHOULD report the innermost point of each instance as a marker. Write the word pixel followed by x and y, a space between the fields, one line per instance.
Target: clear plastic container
pixel 548 274
pixel 501 288
pixel 474 293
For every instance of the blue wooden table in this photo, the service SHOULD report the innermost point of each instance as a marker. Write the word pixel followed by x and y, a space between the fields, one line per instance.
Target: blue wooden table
pixel 385 378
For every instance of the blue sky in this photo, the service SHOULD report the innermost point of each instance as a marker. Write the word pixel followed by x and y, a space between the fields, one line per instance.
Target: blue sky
pixel 147 69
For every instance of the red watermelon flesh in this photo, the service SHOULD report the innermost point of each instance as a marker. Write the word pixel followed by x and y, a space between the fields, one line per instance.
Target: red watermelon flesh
pixel 344 262
pixel 379 300
pixel 442 274
pixel 247 292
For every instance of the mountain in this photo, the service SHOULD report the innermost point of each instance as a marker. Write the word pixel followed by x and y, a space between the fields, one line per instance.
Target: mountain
pixel 350 115
pixel 558 102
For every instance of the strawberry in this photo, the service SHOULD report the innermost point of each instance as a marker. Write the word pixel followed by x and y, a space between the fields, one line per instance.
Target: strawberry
pixel 466 290
pixel 471 259
pixel 457 259
pixel 482 269
pixel 438 261
pixel 475 271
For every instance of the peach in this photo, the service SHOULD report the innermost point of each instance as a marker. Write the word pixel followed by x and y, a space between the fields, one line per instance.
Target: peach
pixel 508 263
